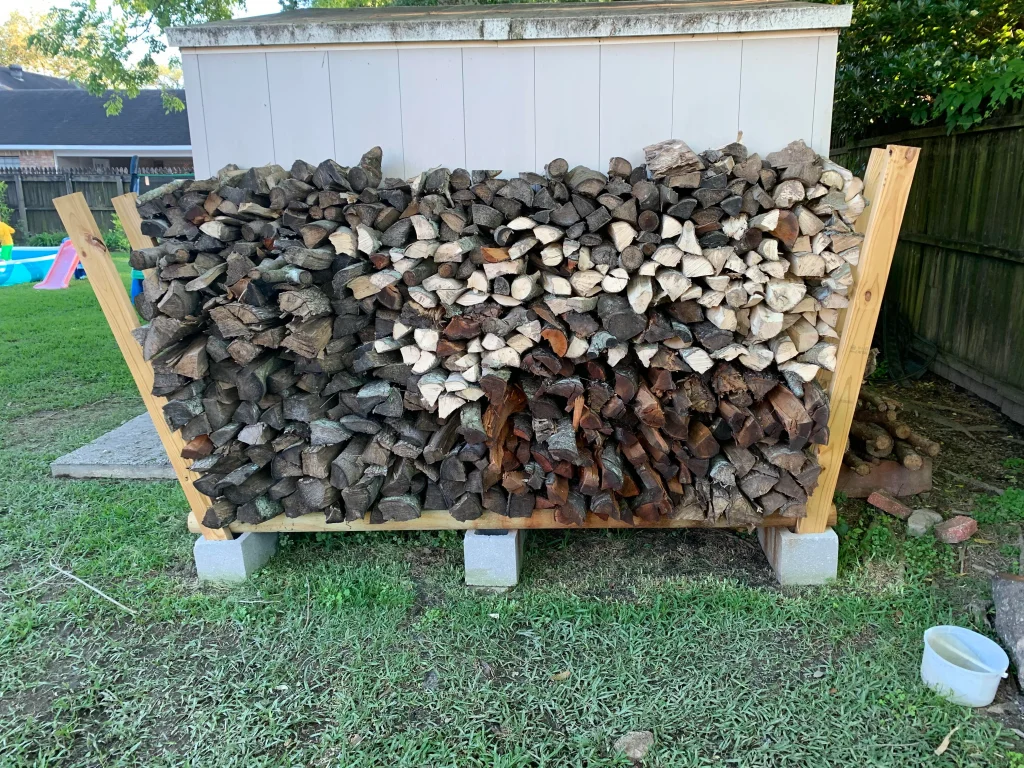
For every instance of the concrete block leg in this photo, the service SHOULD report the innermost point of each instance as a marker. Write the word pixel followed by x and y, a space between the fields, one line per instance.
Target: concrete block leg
pixel 235 560
pixel 493 558
pixel 800 558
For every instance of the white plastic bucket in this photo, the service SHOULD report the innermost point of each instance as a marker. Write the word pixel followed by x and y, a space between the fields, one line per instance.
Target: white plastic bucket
pixel 962 665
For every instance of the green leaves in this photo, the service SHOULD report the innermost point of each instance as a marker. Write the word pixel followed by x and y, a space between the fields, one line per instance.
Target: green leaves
pixel 913 61
pixel 117 45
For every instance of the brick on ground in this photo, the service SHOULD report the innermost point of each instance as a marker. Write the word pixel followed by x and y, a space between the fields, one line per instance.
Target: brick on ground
pixel 889 504
pixel 956 529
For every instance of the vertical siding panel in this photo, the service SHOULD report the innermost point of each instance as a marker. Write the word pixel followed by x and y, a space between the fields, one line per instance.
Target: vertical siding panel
pixel 295 79
pixel 500 126
pixel 433 117
pixel 635 107
pixel 236 104
pixel 567 116
pixel 824 93
pixel 196 114
pixel 706 110
pixel 367 108
pixel 777 92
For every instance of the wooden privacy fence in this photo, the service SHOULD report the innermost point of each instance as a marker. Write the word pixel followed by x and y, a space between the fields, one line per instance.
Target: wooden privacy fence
pixel 958 273
pixel 31 191
pixel 890 173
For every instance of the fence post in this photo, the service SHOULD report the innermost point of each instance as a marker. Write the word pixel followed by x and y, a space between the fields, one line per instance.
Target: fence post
pixel 19 192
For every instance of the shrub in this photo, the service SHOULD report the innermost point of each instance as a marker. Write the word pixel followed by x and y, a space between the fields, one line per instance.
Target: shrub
pixel 115 239
pixel 47 239
pixel 5 210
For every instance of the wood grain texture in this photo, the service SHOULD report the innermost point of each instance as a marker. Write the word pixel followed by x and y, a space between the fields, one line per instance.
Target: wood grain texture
pixel 887 185
pixel 117 309
pixel 440 520
pixel 705 113
pixel 297 131
pixel 366 82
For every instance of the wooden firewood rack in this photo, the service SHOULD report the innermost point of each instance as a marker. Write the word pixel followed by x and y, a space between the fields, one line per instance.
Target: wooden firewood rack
pixel 889 175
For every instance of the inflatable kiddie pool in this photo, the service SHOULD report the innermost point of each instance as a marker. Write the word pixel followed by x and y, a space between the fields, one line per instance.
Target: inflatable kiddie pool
pixel 26 265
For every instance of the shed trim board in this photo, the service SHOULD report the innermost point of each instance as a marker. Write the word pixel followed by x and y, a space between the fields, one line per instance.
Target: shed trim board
pixel 425 105
pixel 391 45
pixel 511 23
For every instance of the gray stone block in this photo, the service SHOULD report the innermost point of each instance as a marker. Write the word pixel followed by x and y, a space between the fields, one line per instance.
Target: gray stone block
pixel 921 522
pixel 235 560
pixel 133 451
pixel 800 558
pixel 493 558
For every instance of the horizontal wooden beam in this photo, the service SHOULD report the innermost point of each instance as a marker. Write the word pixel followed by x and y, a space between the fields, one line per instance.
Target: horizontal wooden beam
pixel 440 520
pixel 1005 123
pixel 975 249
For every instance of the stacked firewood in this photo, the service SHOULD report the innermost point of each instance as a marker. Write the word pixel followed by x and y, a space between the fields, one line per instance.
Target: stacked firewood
pixel 879 432
pixel 641 343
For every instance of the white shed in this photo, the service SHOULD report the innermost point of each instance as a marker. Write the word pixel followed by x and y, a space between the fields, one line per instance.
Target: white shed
pixel 508 86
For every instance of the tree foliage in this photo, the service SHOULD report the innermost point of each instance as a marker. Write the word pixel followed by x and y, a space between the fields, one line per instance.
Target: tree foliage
pixel 919 60
pixel 5 209
pixel 118 45
pixel 15 49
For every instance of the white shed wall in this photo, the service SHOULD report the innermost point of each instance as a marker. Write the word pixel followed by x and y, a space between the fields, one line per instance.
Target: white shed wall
pixel 506 106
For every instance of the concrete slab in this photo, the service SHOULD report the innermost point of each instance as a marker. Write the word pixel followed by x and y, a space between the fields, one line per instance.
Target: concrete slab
pixel 133 451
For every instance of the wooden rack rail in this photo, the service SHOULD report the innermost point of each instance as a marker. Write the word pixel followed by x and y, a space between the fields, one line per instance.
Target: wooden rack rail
pixel 889 176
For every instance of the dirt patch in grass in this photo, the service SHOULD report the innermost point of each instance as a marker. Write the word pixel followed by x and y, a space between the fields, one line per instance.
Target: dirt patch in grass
pixel 43 429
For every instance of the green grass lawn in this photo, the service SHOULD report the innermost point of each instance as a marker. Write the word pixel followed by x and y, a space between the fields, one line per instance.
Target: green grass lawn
pixel 366 650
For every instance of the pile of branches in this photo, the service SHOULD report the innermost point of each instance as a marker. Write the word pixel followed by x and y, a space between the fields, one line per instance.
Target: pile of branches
pixel 641 343
pixel 878 432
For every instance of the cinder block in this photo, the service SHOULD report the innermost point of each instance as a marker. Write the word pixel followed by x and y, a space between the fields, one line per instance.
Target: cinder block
pixel 493 558
pixel 800 558
pixel 234 560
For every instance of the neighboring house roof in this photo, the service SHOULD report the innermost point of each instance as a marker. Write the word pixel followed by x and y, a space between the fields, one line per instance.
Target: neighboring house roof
pixel 14 78
pixel 68 119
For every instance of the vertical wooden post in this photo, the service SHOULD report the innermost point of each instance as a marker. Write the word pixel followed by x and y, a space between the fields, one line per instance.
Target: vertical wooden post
pixel 886 187
pixel 19 190
pixel 117 308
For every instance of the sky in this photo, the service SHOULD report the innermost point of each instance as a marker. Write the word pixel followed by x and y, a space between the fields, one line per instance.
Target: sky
pixel 33 7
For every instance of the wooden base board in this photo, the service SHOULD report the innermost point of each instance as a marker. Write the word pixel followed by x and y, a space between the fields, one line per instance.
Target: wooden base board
pixel 440 520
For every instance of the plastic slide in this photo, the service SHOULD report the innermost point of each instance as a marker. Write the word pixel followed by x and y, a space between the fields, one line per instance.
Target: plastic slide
pixel 62 270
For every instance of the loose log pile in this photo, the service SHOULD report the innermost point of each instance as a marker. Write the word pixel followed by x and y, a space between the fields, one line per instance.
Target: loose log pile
pixel 641 343
pixel 878 432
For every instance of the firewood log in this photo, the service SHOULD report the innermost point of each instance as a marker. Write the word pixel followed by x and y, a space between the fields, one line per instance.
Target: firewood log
pixel 632 344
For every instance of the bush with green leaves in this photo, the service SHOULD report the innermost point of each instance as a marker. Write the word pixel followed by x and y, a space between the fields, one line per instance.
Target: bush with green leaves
pixel 47 239
pixel 115 238
pixel 5 210
pixel 920 60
